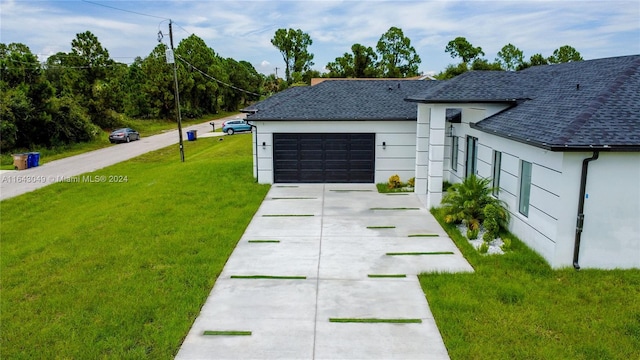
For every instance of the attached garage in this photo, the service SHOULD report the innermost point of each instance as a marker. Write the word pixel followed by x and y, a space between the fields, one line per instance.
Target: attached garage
pixel 323 158
pixel 338 131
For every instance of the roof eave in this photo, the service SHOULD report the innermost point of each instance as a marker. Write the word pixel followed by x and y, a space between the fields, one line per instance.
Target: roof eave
pixel 461 101
pixel 334 119
pixel 561 147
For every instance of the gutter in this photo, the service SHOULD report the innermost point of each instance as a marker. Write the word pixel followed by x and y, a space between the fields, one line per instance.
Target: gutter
pixel 580 220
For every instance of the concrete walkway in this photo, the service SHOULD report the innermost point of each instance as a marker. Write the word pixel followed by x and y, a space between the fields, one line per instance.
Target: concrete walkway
pixel 331 246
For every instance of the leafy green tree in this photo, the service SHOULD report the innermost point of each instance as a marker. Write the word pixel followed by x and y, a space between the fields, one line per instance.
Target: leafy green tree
pixel 397 58
pixel 360 64
pixel 159 83
pixel 565 54
pixel 293 45
pixel 200 92
pixel 452 71
pixel 510 57
pixel 534 60
pixel 484 64
pixel 138 103
pixel 460 47
pixel 538 59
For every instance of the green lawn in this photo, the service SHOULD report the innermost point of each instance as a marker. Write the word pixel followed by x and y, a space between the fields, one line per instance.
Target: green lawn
pixel 516 307
pixel 121 270
pixel 146 128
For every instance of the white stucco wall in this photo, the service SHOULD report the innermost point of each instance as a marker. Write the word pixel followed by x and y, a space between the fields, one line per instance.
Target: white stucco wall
pixel 611 235
pixel 397 157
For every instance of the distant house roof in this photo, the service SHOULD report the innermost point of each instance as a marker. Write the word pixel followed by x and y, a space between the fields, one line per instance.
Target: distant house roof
pixel 586 105
pixel 343 100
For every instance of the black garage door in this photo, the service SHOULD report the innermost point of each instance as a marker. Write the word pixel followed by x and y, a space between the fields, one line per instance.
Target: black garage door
pixel 323 158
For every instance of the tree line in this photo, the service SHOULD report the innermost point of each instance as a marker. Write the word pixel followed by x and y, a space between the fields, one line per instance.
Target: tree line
pixel 73 96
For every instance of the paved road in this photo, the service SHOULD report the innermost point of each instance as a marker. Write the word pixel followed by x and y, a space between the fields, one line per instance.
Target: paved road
pixel 14 183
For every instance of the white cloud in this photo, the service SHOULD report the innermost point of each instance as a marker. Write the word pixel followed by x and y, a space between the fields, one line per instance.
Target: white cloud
pixel 243 29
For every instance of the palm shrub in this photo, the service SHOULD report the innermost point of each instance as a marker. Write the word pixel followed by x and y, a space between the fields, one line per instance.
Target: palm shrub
pixel 465 202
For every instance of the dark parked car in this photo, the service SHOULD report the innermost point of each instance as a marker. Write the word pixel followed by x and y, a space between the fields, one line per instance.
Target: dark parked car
pixel 232 126
pixel 124 135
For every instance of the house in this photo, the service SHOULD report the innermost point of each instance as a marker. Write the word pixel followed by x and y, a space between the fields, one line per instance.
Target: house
pixel 560 142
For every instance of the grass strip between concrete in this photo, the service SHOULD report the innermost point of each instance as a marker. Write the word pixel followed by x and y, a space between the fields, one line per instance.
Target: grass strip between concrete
pixel 293 198
pixel 381 227
pixel 288 215
pixel 227 333
pixel 347 190
pixel 387 275
pixel 420 253
pixel 263 241
pixel 274 277
pixel 375 320
pixel 423 235
pixel 397 208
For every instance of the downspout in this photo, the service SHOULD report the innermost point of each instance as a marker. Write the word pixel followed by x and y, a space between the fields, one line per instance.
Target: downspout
pixel 580 221
pixel 256 144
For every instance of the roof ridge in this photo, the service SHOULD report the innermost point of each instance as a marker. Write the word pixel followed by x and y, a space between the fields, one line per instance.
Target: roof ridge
pixel 581 119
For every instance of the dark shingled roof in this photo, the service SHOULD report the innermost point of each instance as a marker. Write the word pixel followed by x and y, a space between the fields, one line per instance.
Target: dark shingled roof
pixel 275 99
pixel 343 100
pixel 592 105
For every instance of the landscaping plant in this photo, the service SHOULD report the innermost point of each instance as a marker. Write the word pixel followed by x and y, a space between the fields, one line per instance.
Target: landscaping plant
pixel 465 202
pixel 394 182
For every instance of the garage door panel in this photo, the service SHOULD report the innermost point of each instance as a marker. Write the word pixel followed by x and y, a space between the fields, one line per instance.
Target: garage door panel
pixel 336 155
pixel 324 158
pixel 336 165
pixel 360 155
pixel 310 155
pixel 310 165
pixel 361 165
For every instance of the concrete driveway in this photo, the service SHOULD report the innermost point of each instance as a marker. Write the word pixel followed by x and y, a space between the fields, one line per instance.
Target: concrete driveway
pixel 14 183
pixel 328 251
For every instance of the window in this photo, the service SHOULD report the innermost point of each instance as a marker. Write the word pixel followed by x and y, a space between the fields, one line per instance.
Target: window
pixel 454 153
pixel 497 160
pixel 525 187
pixel 472 158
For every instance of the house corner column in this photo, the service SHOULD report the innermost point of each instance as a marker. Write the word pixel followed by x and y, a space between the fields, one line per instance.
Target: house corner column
pixel 435 167
pixel 422 149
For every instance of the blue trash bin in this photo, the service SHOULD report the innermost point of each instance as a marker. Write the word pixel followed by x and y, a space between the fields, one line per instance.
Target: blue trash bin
pixel 33 159
pixel 191 135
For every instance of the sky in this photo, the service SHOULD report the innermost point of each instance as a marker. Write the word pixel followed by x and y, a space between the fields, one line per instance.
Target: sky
pixel 243 29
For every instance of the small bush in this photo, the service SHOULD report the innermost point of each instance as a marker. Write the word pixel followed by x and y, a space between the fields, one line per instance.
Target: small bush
pixel 412 182
pixel 472 234
pixel 488 237
pixel 394 182
pixel 484 248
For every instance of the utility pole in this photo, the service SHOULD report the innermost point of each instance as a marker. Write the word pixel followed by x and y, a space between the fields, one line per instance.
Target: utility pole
pixel 175 78
pixel 277 72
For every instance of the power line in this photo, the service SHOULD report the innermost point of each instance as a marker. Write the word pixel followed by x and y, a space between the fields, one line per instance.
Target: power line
pixel 128 11
pixel 214 79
